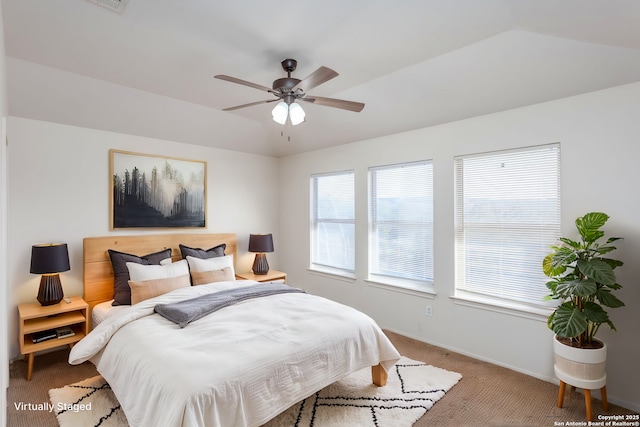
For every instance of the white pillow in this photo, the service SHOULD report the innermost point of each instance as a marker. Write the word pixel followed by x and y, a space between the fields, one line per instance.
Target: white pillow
pixel 210 264
pixel 140 273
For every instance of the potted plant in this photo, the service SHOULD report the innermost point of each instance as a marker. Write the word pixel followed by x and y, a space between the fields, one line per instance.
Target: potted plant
pixel 583 280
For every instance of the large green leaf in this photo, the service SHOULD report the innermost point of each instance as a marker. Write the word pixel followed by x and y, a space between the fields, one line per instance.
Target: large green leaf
pixel 605 249
pixel 568 321
pixel 581 288
pixel 551 268
pixel 589 226
pixel 607 299
pixel 598 270
pixel 556 263
pixel 551 285
pixel 571 243
pixel 595 313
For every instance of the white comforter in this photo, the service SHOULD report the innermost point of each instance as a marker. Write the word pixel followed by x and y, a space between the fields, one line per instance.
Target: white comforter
pixel 239 366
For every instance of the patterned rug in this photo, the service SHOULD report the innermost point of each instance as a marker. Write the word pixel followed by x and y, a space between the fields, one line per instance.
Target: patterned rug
pixel 87 403
pixel 412 389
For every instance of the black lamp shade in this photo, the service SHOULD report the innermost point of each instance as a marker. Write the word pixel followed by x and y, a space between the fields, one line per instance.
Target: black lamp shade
pixel 49 260
pixel 260 243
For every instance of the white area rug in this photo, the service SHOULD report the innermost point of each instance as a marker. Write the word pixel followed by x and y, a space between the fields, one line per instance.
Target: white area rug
pixel 87 403
pixel 412 389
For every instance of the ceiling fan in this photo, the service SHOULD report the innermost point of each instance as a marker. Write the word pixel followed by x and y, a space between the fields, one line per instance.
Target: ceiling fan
pixel 288 90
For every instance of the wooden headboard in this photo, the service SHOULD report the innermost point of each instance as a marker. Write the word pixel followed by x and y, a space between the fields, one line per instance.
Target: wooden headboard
pixel 98 274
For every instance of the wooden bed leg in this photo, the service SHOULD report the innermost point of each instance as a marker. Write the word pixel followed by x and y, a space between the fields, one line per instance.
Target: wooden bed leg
pixel 379 375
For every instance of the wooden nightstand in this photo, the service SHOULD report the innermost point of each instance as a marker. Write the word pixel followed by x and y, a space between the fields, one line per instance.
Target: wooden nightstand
pixel 271 276
pixel 36 318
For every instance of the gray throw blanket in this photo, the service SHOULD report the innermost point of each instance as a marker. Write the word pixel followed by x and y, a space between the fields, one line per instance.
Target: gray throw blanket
pixel 187 311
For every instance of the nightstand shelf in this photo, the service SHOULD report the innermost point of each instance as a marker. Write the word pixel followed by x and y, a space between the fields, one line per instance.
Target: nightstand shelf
pixel 37 318
pixel 271 276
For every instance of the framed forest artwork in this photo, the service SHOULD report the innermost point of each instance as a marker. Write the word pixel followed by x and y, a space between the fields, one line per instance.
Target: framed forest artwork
pixel 150 191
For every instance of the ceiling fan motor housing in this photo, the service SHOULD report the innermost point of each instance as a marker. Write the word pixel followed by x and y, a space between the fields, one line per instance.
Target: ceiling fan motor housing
pixel 286 84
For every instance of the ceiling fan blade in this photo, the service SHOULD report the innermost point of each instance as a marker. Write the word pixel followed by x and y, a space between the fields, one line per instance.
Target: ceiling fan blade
pixel 251 104
pixel 319 76
pixel 243 82
pixel 335 103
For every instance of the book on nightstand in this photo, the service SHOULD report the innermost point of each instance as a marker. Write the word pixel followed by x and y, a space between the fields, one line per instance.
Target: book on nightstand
pixel 44 336
pixel 64 332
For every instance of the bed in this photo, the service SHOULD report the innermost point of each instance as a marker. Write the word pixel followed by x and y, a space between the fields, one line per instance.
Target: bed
pixel 241 365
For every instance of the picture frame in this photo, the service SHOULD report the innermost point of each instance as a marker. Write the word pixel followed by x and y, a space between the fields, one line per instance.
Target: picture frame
pixel 154 191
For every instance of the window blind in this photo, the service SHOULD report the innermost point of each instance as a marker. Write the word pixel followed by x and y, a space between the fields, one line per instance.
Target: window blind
pixel 401 221
pixel 507 217
pixel 333 221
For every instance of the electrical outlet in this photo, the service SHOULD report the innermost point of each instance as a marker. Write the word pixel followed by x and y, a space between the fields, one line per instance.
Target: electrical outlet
pixel 428 311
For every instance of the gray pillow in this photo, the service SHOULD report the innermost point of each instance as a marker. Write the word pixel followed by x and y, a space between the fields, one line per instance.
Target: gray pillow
pixel 214 252
pixel 119 260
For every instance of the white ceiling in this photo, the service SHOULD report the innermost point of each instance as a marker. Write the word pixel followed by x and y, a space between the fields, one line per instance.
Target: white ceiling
pixel 414 63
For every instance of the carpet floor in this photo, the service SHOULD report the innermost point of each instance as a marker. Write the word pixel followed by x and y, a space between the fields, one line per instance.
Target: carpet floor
pixel 487 395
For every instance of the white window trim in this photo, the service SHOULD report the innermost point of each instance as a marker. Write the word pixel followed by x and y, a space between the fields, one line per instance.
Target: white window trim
pixel 497 305
pixel 410 287
pixel 332 273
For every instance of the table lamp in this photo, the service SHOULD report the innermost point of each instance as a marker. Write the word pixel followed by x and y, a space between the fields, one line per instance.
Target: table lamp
pixel 260 243
pixel 49 260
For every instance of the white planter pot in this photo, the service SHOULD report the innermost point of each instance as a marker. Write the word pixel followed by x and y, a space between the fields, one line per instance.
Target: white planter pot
pixel 580 367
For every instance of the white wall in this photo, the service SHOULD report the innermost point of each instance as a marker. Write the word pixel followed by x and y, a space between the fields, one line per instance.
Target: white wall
pixel 600 151
pixel 58 191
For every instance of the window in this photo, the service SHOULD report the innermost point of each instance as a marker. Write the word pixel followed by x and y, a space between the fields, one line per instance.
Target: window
pixel 333 223
pixel 401 225
pixel 507 217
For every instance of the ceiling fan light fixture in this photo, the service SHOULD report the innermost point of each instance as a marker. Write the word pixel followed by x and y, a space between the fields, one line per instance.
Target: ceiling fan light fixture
pixel 296 114
pixel 280 112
